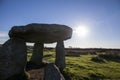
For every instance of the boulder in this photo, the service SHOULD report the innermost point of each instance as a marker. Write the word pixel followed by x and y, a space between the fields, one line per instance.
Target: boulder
pixel 52 73
pixel 44 33
pixel 13 56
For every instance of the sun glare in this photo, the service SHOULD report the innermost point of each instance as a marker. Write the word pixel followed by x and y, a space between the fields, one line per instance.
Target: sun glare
pixel 81 31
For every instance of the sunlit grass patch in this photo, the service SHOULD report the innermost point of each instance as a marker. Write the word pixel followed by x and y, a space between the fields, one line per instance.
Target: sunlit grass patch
pixel 83 68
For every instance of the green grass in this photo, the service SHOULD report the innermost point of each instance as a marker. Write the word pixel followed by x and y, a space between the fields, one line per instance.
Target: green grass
pixel 83 68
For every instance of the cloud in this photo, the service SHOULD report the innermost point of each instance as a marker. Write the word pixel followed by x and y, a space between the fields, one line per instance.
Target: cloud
pixel 3 37
pixel 3 34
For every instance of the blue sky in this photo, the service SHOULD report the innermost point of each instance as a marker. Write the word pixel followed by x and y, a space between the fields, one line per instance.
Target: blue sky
pixel 101 18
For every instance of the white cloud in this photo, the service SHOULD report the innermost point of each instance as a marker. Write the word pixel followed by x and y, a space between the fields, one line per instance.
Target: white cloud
pixel 3 37
pixel 3 34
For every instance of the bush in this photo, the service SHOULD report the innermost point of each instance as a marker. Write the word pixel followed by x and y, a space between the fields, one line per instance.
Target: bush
pixel 110 56
pixel 97 59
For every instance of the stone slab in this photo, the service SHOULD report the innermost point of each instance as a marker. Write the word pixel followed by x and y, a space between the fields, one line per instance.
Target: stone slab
pixel 46 33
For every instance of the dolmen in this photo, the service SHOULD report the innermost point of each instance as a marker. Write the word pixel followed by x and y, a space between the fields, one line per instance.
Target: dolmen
pixel 13 53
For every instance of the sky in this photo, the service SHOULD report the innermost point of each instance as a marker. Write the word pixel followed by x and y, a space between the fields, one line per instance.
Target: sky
pixel 100 18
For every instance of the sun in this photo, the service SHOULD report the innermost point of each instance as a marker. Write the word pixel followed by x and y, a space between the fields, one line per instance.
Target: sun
pixel 81 31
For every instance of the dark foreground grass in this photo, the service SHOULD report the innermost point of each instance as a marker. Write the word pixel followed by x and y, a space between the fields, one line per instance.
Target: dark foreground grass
pixel 83 68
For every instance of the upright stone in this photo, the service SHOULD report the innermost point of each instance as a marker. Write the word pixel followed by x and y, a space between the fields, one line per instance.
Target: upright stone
pixel 37 54
pixel 60 55
pixel 13 57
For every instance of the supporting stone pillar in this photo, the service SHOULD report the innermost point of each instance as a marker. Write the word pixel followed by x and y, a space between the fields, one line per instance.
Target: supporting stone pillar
pixel 60 55
pixel 13 59
pixel 37 54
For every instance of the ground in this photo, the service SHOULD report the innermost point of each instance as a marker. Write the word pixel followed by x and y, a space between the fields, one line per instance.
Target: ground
pixel 36 74
pixel 84 68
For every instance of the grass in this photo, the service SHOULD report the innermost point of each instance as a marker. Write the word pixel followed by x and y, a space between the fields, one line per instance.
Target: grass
pixel 84 68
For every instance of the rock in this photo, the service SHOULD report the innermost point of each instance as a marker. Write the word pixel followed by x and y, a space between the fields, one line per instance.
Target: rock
pixel 52 73
pixel 13 57
pixel 44 33
pixel 60 55
pixel 37 54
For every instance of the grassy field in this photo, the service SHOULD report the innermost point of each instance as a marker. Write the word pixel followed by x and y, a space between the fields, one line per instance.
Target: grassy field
pixel 84 68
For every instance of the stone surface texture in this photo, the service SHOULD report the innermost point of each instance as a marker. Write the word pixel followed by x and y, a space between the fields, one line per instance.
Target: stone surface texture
pixel 37 54
pixel 52 73
pixel 44 33
pixel 60 55
pixel 13 56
